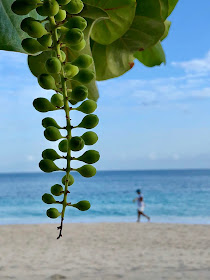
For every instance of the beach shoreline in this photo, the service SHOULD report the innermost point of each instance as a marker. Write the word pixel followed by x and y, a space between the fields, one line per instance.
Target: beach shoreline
pixel 105 251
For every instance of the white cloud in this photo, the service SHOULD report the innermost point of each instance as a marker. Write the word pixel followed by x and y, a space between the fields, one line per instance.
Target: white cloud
pixel 201 65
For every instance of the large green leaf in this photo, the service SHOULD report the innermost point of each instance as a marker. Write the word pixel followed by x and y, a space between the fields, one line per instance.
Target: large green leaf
pixel 11 35
pixel 152 57
pixel 112 18
pixel 172 5
pixel 146 30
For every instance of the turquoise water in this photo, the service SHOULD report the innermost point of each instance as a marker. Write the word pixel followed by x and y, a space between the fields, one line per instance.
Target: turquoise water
pixel 170 196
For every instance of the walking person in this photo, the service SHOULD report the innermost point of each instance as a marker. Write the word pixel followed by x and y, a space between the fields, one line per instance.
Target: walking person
pixel 140 206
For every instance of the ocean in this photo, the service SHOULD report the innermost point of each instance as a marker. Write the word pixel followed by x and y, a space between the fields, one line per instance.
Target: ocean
pixel 170 196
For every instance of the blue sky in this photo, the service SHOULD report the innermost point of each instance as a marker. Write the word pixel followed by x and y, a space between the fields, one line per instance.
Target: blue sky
pixel 150 118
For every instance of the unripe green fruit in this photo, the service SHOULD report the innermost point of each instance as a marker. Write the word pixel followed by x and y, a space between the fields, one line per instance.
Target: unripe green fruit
pixel 85 76
pixel 74 36
pixel 61 15
pixel 83 61
pixel 63 56
pixel 90 138
pixel 48 198
pixel 45 40
pixel 53 65
pixel 70 70
pixel 73 102
pixel 89 121
pixel 51 133
pixel 87 107
pixel 70 180
pixel 63 2
pixel 43 105
pixel 49 122
pixel 90 157
pixel 63 146
pixel 79 46
pixel 41 11
pixel 57 190
pixel 76 143
pixel 50 154
pixel 79 93
pixel 33 28
pixel 76 22
pixel 22 7
pixel 83 205
pixel 46 81
pixel 53 213
pixel 50 7
pixel 32 46
pixel 87 171
pixel 57 100
pixel 48 166
pixel 74 7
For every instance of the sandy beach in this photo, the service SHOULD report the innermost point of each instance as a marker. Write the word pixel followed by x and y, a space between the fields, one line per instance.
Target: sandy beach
pixel 105 251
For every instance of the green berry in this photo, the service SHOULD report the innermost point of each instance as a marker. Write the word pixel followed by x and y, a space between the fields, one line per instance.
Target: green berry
pixel 53 213
pixel 48 166
pixel 87 171
pixel 56 190
pixel 50 154
pixel 53 65
pixel 73 102
pixel 87 107
pixel 90 157
pixel 90 138
pixel 74 7
pixel 70 70
pixel 83 61
pixel 76 22
pixel 79 93
pixel 83 205
pixel 63 2
pixel 89 121
pixel 43 105
pixel 52 133
pixel 33 28
pixel 74 36
pixel 63 146
pixel 85 76
pixel 61 15
pixel 46 81
pixel 70 180
pixel 31 46
pixel 79 46
pixel 22 7
pixel 36 63
pixel 50 7
pixel 57 100
pixel 45 40
pixel 41 11
pixel 76 143
pixel 48 198
pixel 49 122
pixel 63 56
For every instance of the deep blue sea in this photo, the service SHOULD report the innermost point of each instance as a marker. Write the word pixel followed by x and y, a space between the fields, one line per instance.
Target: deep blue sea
pixel 174 196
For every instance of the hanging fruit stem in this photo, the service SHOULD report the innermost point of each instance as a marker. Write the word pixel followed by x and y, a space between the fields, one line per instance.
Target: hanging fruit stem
pixel 56 46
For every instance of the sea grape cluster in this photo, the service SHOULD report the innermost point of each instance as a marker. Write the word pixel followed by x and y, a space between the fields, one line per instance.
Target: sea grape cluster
pixel 60 29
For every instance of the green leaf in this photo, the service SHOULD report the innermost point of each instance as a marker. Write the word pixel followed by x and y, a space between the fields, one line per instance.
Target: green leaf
pixel 112 18
pixel 152 57
pixel 172 5
pixel 11 35
pixel 146 30
pixel 167 28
